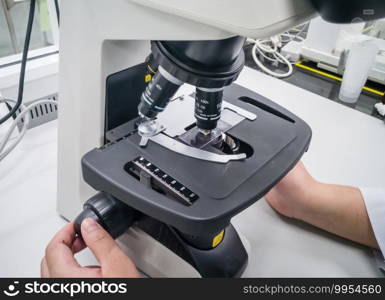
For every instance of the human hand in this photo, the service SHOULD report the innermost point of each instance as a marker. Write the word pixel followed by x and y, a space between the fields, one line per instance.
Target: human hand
pixel 293 195
pixel 59 260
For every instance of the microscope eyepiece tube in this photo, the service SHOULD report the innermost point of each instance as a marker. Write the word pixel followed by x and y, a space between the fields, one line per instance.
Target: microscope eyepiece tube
pixel 208 105
pixel 158 93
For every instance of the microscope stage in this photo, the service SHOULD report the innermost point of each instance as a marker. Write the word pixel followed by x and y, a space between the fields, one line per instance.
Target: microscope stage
pixel 196 195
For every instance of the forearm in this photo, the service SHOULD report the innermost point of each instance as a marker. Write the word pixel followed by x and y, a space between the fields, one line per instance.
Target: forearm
pixel 340 210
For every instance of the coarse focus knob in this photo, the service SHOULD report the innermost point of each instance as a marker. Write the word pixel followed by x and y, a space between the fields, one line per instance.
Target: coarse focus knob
pixel 112 214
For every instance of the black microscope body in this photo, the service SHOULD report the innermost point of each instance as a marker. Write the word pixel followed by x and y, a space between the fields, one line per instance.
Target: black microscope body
pixel 183 186
pixel 186 202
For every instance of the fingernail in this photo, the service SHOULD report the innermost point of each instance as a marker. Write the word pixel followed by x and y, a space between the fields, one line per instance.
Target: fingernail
pixel 89 225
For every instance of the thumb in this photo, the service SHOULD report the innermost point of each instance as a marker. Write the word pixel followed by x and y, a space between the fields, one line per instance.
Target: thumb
pixel 98 240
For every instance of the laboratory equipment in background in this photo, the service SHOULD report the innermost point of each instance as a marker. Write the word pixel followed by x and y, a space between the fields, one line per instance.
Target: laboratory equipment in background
pixel 328 44
pixel 358 64
pixel 176 166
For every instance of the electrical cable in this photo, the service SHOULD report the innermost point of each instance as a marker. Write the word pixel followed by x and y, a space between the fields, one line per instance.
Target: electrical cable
pixel 291 37
pixel 23 63
pixel 7 136
pixel 296 36
pixel 23 114
pixel 269 49
pixel 261 47
pixel 57 7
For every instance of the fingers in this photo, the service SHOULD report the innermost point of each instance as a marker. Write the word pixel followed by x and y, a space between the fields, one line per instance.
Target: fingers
pixel 114 263
pixel 59 260
pixel 98 240
pixel 87 272
pixel 59 256
pixel 78 245
pixel 66 235
pixel 44 272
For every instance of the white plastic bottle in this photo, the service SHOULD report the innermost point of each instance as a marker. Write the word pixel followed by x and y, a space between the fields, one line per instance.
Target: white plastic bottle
pixel 359 62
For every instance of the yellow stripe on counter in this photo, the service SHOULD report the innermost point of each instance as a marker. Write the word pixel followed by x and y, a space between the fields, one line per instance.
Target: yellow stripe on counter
pixel 368 89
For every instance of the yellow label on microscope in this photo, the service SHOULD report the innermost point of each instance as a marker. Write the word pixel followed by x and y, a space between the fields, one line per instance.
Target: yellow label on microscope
pixel 147 78
pixel 218 238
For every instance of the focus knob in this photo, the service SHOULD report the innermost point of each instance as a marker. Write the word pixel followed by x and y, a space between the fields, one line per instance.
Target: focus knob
pixel 112 214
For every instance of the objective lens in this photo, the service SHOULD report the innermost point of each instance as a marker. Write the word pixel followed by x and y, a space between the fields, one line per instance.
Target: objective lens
pixel 208 104
pixel 158 93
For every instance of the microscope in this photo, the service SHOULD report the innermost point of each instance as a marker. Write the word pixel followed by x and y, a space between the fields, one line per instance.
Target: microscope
pixel 165 172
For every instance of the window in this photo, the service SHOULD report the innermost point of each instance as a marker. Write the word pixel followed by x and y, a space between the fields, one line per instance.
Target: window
pixel 13 22
pixel 43 58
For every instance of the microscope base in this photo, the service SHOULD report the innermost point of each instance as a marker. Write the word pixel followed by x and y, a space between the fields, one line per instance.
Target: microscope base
pixel 228 259
pixel 155 260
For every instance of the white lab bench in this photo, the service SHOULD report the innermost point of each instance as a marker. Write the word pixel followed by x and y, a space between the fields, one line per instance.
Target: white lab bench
pixel 347 148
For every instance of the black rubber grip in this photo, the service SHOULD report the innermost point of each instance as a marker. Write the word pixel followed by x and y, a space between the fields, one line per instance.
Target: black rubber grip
pixel 113 215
